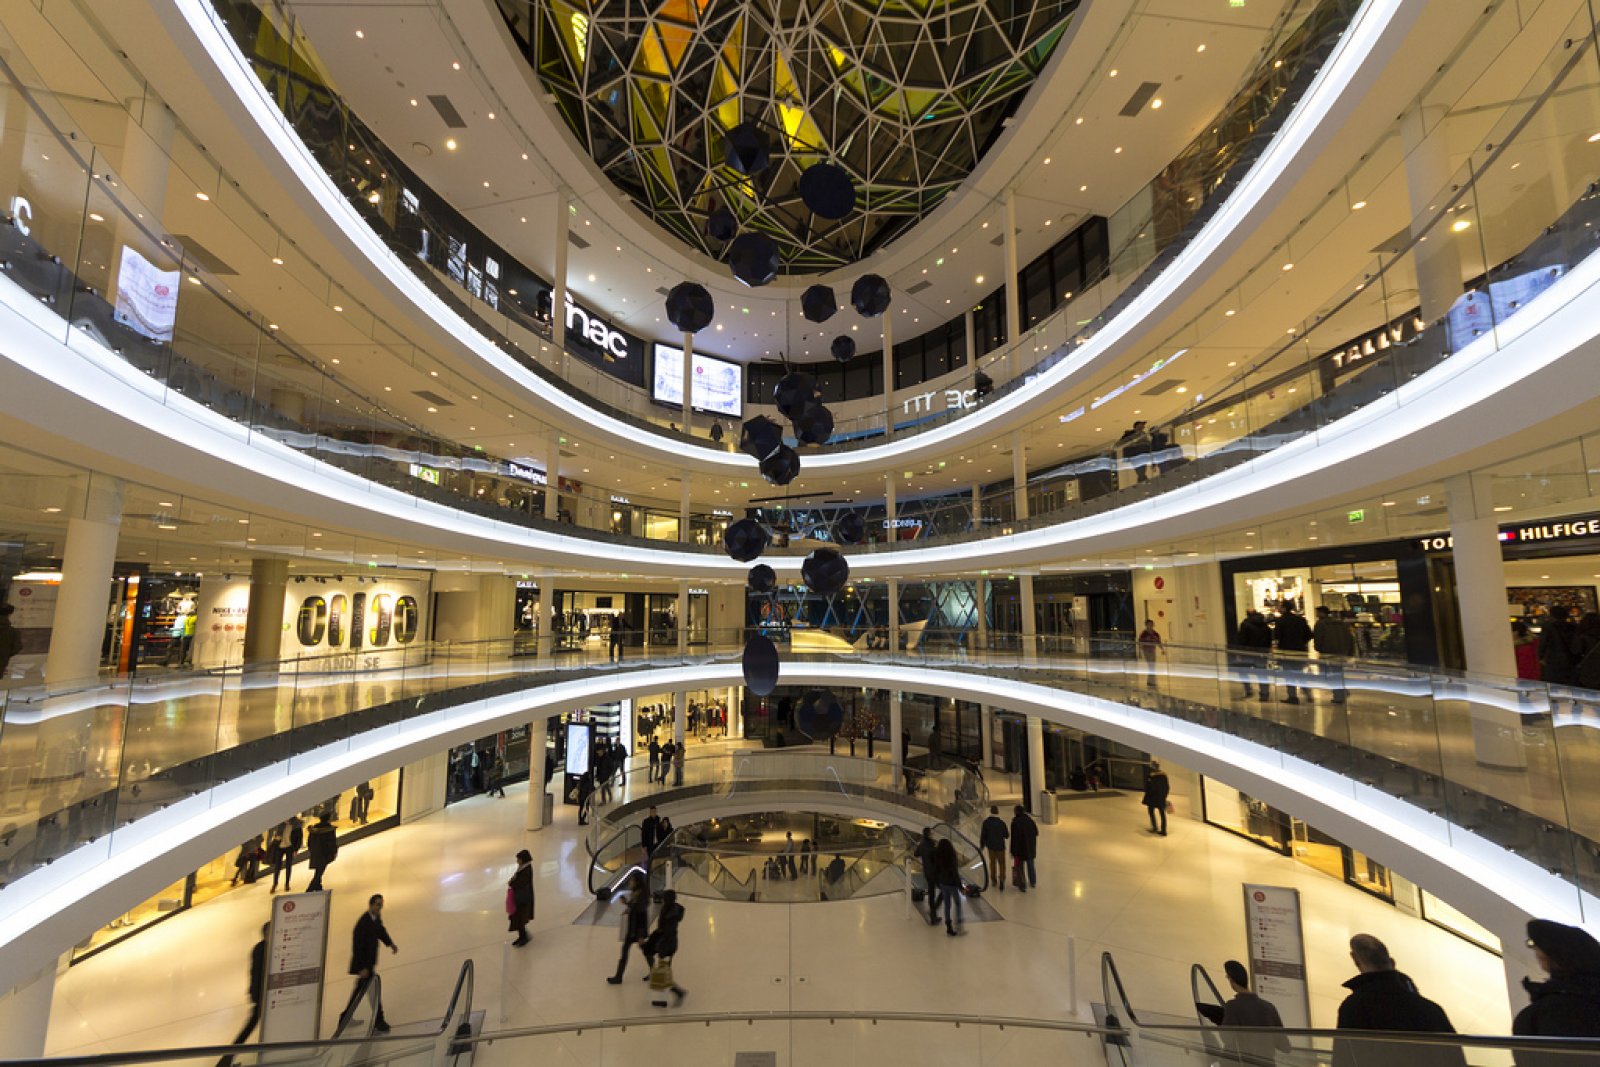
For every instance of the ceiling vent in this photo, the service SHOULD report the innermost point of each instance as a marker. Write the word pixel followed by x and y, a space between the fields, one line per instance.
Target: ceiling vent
pixel 575 239
pixel 193 249
pixel 1162 387
pixel 663 290
pixel 434 398
pixel 918 287
pixel 447 111
pixel 1141 96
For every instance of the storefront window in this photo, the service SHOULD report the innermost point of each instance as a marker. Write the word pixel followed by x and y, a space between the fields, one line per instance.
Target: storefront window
pixel 1367 595
pixel 1234 810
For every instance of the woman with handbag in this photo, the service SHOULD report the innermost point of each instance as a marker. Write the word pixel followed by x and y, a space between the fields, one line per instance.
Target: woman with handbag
pixel 660 947
pixel 519 898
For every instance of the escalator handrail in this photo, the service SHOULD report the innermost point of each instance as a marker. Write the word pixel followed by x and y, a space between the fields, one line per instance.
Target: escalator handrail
pixel 625 872
pixel 977 850
pixel 1109 976
pixel 1196 973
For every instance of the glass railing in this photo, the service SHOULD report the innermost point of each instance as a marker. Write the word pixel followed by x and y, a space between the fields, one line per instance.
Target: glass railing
pixel 1146 231
pixel 1489 760
pixel 954 792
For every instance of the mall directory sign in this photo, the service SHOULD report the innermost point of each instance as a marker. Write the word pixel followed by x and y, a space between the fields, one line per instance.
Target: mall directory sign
pixel 1278 951
pixel 297 946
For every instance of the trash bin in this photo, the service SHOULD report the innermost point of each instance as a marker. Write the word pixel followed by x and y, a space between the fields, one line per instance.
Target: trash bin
pixel 1047 807
pixel 549 808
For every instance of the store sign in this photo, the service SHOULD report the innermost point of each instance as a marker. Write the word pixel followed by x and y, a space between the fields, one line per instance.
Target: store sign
pixel 1398 332
pixel 618 499
pixel 1563 530
pixel 954 400
pixel 699 592
pixel 902 524
pixel 1278 951
pixel 427 474
pixel 22 215
pixel 721 513
pixel 596 330
pixel 527 474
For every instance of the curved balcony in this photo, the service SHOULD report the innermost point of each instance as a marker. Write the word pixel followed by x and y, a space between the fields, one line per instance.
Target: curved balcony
pixel 1480 789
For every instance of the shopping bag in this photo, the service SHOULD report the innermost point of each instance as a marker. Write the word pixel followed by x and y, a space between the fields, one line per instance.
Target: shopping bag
pixel 1016 874
pixel 1170 808
pixel 511 901
pixel 661 975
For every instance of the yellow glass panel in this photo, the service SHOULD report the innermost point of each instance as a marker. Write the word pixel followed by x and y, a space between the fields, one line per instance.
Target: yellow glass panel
pixel 652 57
pixel 838 57
pixel 731 53
pixel 676 38
pixel 680 12
pixel 646 130
pixel 580 34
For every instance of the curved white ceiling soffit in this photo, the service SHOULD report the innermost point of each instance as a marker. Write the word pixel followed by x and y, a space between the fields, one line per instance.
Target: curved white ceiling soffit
pixel 50 908
pixel 1368 47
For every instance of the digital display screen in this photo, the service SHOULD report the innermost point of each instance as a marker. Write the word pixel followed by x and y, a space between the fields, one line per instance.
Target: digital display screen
pixel 718 384
pixel 577 748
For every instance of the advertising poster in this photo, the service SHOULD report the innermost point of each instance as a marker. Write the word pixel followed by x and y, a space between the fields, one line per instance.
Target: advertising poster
pixel 297 945
pixel 718 385
pixel 1278 951
pixel 147 297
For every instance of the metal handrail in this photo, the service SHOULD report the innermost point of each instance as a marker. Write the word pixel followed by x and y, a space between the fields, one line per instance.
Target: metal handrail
pixel 1196 973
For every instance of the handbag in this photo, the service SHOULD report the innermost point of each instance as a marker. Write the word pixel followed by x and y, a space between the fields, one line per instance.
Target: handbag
pixel 511 901
pixel 1170 808
pixel 1016 874
pixel 661 975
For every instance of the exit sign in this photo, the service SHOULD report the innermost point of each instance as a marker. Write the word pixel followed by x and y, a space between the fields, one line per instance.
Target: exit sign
pixel 1358 515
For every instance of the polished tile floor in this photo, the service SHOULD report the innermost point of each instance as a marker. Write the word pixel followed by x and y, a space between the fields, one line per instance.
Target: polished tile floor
pixel 1159 904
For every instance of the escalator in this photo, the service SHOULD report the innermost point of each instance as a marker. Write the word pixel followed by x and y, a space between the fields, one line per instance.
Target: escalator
pixel 619 858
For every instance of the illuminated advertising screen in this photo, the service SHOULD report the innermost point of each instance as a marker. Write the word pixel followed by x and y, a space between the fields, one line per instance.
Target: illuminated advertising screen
pixel 718 384
pixel 577 748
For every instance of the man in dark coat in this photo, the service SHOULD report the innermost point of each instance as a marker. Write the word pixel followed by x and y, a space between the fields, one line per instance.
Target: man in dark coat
pixel 1381 998
pixel 1157 787
pixel 924 855
pixel 650 834
pixel 258 989
pixel 1024 848
pixel 1556 663
pixel 520 898
pixel 364 941
pixel 1254 640
pixel 664 942
pixel 992 836
pixel 322 848
pixel 1292 634
pixel 1568 1004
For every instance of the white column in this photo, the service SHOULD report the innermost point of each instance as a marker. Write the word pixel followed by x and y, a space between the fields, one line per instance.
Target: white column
pixel 87 561
pixel 683 618
pixel 890 513
pixel 977 507
pixel 680 716
pixel 986 735
pixel 1428 176
pixel 1019 474
pixel 537 730
pixel 1030 621
pixel 558 284
pixel 547 603
pixel 897 725
pixel 688 380
pixel 1013 293
pixel 25 1016
pixel 981 594
pixel 1481 600
pixel 1035 761
pixel 263 620
pixel 1019 493
pixel 888 373
pixel 683 510
pixel 496 612
pixel 552 476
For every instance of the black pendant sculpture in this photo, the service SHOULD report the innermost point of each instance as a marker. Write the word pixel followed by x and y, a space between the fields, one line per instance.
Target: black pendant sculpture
pixel 747 149
pixel 870 295
pixel 745 540
pixel 793 392
pixel 844 349
pixel 852 528
pixel 817 304
pixel 689 307
pixel 760 665
pixel 827 190
pixel 820 715
pixel 753 258
pixel 760 437
pixel 814 424
pixel 762 579
pixel 721 225
pixel 982 384
pixel 782 467
pixel 825 571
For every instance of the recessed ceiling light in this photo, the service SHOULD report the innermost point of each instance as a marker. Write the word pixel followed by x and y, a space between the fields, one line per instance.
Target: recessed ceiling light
pixel 1202 48
pixel 413 101
pixel 450 143
pixel 1046 163
pixel 1593 137
pixel 1358 205
pixel 980 279
pixel 1083 188
pixel 1461 225
pixel 1230 313
pixel 1288 266
pixel 1114 72
pixel 1117 150
pixel 455 66
pixel 360 33
pixel 1078 121
pixel 591 277
pixel 1155 105
pixel 201 196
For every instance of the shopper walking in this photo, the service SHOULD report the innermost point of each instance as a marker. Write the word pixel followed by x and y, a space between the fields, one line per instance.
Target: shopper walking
pixel 1526 647
pixel 947 871
pixel 274 854
pixel 1292 635
pixel 1157 787
pixel 497 777
pixel 247 863
pixel 1335 644
pixel 655 759
pixel 787 857
pixel 10 638
pixel 1381 998
pixel 1254 642
pixel 322 848
pixel 677 763
pixel 1556 663
pixel 992 836
pixel 661 948
pixel 585 796
pixel 369 933
pixel 924 854
pixel 650 832
pixel 635 924
pixel 519 898
pixel 1024 848
pixel 1567 1004
pixel 258 988
pixel 1149 642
